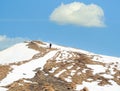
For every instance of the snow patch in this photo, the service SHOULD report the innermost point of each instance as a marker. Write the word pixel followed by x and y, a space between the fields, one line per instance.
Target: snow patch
pixel 68 79
pixel 53 69
pixel 16 53
pixel 69 67
pixel 3 89
pixel 57 75
pixel 107 76
pixel 93 86
pixel 107 59
pixel 26 70
pixel 70 49
pixel 96 68
pixel 73 72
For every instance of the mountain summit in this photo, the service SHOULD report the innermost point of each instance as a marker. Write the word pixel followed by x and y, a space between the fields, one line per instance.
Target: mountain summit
pixel 40 66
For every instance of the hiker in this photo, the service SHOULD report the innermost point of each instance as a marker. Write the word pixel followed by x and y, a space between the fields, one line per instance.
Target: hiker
pixel 50 45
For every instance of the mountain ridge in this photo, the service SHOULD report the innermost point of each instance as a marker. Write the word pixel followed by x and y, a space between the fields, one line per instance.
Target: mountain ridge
pixel 31 65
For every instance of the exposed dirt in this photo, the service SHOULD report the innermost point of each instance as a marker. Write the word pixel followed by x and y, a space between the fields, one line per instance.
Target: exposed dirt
pixel 42 50
pixel 51 82
pixel 4 70
pixel 74 67
pixel 36 46
pixel 62 72
pixel 19 85
pixel 40 82
pixel 117 77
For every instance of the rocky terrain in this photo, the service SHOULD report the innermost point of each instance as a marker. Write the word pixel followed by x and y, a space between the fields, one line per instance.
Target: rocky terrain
pixel 34 66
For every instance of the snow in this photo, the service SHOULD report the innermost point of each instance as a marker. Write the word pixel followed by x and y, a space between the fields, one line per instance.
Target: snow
pixel 16 53
pixel 27 81
pixel 69 67
pixel 97 57
pixel 68 79
pixel 73 72
pixel 118 77
pixel 57 75
pixel 113 66
pixel 78 73
pixel 53 69
pixel 107 76
pixel 62 56
pixel 89 79
pixel 70 49
pixel 107 59
pixel 3 89
pixel 93 86
pixel 42 45
pixel 26 70
pixel 96 68
pixel 111 69
pixel 84 70
pixel 21 52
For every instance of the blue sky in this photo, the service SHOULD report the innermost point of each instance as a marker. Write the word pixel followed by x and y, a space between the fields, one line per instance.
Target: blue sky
pixel 94 28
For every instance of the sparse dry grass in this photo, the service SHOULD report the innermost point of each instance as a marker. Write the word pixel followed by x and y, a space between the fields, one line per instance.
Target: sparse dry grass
pixel 19 85
pixel 34 46
pixel 4 70
pixel 48 82
pixel 117 77
pixel 79 62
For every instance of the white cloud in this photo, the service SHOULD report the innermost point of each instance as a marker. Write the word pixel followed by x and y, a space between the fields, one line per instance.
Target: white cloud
pixel 80 14
pixel 6 42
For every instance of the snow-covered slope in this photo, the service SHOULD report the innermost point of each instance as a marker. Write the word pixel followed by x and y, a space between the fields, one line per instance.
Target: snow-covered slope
pixel 16 53
pixel 26 70
pixel 77 67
